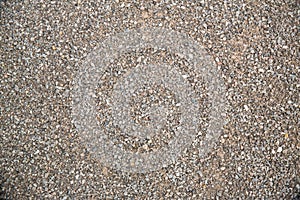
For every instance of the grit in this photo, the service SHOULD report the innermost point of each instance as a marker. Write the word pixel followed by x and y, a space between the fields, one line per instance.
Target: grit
pixel 255 45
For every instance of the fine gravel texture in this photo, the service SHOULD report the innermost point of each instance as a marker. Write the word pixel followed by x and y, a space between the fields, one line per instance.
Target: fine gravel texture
pixel 255 47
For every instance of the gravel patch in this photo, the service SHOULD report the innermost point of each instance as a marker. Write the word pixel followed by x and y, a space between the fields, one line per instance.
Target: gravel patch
pixel 255 47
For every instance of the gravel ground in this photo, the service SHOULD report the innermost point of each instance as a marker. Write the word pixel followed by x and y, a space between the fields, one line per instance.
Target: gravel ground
pixel 255 46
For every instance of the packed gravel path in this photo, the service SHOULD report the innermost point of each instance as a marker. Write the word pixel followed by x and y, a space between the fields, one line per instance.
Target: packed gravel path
pixel 249 150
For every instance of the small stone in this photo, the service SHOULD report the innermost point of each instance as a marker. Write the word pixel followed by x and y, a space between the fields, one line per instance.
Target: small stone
pixel 246 107
pixel 145 14
pixel 139 59
pixel 105 171
pixel 286 135
pixel 145 146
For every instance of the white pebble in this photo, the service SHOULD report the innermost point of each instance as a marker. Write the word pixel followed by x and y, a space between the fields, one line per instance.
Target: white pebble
pixel 246 107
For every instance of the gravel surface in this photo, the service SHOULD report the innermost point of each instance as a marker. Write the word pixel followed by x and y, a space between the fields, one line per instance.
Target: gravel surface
pixel 255 48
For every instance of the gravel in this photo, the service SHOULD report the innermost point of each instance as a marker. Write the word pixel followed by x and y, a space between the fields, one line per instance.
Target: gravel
pixel 255 47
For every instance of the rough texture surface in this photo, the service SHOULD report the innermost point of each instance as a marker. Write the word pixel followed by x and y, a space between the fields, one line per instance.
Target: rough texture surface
pixel 255 44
